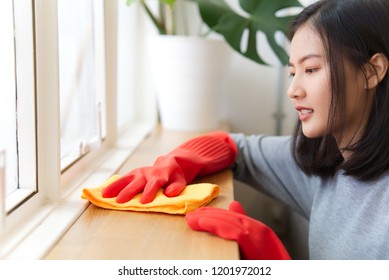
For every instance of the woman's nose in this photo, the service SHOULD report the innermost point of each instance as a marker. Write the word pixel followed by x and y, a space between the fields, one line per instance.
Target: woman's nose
pixel 295 90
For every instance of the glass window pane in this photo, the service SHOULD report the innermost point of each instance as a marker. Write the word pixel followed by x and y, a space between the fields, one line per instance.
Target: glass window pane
pixel 17 106
pixel 25 91
pixel 79 92
pixel 126 74
pixel 8 95
pixel 8 127
pixel 2 189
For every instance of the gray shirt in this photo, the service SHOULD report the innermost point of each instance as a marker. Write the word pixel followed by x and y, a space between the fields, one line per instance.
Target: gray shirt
pixel 348 219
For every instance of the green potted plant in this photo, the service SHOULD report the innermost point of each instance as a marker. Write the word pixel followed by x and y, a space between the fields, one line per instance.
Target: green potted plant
pixel 177 59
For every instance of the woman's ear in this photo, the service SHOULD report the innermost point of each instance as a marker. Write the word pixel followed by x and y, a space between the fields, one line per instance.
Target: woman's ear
pixel 376 70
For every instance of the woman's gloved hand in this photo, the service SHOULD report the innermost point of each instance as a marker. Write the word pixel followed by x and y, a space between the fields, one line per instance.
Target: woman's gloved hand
pixel 256 240
pixel 197 157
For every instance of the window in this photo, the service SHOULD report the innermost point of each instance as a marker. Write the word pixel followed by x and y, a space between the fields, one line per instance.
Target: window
pixel 17 109
pixel 69 115
pixel 2 189
pixel 131 74
pixel 8 94
pixel 126 72
pixel 81 77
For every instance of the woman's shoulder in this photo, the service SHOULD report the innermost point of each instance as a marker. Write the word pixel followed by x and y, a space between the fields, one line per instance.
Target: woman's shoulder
pixel 261 139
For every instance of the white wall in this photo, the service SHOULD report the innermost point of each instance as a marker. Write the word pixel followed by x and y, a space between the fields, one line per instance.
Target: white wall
pixel 250 98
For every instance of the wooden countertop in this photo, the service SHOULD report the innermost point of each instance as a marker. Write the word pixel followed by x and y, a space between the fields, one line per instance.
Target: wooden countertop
pixel 107 234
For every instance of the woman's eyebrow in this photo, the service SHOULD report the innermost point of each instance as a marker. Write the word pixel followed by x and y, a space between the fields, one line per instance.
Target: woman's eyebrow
pixel 304 58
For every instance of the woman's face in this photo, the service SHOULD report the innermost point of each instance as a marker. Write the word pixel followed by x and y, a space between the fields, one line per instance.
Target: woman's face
pixel 310 85
pixel 310 90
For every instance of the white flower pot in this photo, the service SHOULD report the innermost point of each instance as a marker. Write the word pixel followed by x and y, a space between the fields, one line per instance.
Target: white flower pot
pixel 188 76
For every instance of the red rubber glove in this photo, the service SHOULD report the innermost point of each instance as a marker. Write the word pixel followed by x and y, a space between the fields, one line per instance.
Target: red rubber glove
pixel 256 240
pixel 197 157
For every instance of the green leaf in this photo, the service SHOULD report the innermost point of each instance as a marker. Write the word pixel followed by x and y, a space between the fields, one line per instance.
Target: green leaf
pixel 261 16
pixel 212 11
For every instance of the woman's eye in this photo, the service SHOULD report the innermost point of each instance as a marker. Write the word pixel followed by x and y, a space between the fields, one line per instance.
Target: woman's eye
pixel 291 75
pixel 310 70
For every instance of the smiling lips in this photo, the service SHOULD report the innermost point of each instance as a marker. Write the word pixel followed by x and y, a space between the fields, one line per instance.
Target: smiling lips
pixel 304 113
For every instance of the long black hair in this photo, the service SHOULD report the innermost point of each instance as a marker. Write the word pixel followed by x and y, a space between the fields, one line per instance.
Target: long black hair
pixel 352 31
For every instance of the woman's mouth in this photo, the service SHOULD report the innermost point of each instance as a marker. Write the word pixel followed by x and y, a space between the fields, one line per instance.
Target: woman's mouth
pixel 304 113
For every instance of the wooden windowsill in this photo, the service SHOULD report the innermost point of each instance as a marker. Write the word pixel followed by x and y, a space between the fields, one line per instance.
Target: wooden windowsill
pixel 107 234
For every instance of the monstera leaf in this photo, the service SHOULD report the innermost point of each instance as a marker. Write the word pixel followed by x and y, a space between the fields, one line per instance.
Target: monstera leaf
pixel 261 16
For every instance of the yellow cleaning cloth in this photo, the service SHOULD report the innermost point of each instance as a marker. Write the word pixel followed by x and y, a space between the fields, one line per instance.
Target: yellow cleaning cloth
pixel 193 197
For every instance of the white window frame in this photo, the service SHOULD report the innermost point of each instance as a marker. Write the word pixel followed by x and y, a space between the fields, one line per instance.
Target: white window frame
pixel 30 231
